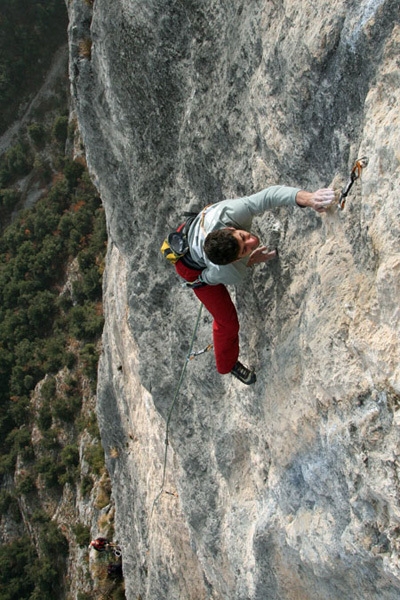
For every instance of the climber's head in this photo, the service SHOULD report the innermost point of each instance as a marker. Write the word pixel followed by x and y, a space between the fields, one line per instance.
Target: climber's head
pixel 224 246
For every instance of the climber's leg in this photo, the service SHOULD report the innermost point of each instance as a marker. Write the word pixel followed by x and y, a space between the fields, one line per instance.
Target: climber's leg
pixel 218 302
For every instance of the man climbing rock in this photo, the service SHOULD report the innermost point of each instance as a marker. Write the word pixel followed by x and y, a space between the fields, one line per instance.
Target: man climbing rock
pixel 100 544
pixel 221 247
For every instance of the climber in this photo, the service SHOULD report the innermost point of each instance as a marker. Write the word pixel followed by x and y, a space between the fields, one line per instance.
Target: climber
pixel 100 544
pixel 219 249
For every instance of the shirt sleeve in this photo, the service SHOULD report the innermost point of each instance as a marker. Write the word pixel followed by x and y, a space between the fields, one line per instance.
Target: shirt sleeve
pixel 227 274
pixel 240 212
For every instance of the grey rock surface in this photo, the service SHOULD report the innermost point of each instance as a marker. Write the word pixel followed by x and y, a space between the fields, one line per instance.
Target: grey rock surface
pixel 289 489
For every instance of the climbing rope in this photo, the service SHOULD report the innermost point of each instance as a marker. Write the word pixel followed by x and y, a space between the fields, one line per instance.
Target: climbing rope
pixel 190 355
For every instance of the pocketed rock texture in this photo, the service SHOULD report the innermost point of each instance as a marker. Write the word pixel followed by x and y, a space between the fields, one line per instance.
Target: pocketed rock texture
pixel 289 489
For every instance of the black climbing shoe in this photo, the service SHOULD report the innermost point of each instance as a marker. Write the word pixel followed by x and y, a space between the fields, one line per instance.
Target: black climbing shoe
pixel 244 374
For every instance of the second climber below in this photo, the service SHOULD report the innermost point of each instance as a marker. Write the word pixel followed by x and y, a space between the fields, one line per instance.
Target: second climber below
pixel 221 247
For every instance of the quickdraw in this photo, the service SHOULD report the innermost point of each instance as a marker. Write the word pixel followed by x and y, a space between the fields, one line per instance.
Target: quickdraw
pixel 206 349
pixel 355 173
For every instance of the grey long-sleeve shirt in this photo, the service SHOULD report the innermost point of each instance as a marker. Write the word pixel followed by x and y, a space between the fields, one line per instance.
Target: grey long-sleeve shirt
pixel 237 213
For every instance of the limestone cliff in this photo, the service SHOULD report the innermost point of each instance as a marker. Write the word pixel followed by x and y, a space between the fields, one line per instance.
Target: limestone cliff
pixel 289 489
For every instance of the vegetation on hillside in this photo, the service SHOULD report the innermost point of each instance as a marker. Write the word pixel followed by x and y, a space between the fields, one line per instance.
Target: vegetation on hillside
pixel 52 248
pixel 49 324
pixel 30 32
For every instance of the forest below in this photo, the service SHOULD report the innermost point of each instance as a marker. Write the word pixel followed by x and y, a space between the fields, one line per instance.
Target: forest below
pixel 30 32
pixel 52 252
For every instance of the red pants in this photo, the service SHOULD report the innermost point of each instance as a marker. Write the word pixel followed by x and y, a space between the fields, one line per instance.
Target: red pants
pixel 218 302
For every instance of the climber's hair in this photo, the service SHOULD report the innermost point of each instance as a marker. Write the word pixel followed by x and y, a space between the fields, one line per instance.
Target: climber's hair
pixel 221 247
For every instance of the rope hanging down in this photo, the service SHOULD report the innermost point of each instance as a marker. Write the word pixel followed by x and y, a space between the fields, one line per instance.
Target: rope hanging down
pixel 190 355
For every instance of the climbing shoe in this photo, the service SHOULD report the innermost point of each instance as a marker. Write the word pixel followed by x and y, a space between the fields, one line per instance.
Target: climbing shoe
pixel 244 374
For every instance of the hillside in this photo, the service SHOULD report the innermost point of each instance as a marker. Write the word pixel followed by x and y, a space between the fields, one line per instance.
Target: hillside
pixel 55 493
pixel 289 489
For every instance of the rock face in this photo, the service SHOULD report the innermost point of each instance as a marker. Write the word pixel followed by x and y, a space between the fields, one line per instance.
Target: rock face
pixel 288 489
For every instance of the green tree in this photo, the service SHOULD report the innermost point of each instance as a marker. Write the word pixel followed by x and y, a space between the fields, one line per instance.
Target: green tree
pixel 48 389
pixel 45 417
pixel 94 454
pixel 60 129
pixel 72 172
pixel 41 311
pixel 37 133
pixel 50 470
pixel 15 558
pixel 82 534
pixel 18 160
pixel 9 198
pixel 85 321
pixel 67 408
pixel 26 485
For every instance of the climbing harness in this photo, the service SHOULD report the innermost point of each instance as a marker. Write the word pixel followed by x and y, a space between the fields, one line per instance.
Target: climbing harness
pixel 355 173
pixel 193 284
pixel 189 356
pixel 176 245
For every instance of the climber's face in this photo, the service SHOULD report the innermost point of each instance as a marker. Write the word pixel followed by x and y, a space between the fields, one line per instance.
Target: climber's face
pixel 247 242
